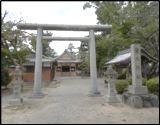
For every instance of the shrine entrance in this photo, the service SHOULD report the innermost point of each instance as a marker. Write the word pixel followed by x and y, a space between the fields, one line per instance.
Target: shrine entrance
pixel 37 89
pixel 67 64
pixel 65 69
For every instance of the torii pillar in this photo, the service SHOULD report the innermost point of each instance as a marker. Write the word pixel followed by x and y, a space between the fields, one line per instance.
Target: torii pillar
pixel 37 90
pixel 93 66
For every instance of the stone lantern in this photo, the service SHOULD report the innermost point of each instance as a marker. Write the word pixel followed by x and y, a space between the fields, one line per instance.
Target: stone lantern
pixel 111 76
pixel 16 86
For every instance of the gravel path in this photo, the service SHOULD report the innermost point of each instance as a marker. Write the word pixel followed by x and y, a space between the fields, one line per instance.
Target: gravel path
pixel 68 102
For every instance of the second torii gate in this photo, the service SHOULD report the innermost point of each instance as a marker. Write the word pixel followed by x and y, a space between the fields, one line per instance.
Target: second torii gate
pixel 37 90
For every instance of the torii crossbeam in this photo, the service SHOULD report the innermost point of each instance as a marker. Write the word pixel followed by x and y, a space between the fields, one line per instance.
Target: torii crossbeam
pixel 67 38
pixel 37 90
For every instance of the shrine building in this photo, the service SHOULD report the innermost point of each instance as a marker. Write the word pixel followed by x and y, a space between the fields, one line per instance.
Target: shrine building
pixel 67 64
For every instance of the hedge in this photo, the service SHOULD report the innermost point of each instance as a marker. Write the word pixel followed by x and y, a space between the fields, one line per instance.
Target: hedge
pixel 153 85
pixel 121 86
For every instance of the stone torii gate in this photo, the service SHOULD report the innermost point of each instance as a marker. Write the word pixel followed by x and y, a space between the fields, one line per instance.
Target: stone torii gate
pixel 37 90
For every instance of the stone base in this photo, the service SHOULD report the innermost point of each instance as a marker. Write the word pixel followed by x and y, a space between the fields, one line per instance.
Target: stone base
pixel 138 90
pixel 94 94
pixel 112 99
pixel 16 102
pixel 139 101
pixel 37 95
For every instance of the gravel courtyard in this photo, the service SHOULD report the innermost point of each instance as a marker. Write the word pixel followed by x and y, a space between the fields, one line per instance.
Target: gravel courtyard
pixel 68 102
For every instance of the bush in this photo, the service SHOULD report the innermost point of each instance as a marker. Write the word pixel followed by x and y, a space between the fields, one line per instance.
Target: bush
pixel 153 85
pixel 121 86
pixel 144 80
pixel 121 76
pixel 130 81
pixel 5 78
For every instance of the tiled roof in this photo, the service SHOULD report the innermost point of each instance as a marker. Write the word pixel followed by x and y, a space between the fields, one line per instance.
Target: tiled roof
pixel 31 58
pixel 120 58
pixel 124 57
pixel 65 60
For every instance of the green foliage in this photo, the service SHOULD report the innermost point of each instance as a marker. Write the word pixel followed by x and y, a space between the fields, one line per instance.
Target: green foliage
pixel 5 78
pixel 84 56
pixel 122 76
pixel 84 66
pixel 132 22
pixel 46 49
pixel 104 48
pixel 144 80
pixel 121 86
pixel 153 85
pixel 14 43
pixel 14 47
pixel 130 81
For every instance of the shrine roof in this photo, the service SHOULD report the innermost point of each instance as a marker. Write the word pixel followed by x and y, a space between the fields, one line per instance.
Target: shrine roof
pixel 124 57
pixel 31 58
pixel 67 57
pixel 120 58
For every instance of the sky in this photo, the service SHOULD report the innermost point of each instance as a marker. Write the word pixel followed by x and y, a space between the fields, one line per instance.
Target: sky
pixel 53 13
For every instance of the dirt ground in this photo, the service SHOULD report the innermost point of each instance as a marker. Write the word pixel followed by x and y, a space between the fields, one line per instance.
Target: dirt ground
pixel 68 102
